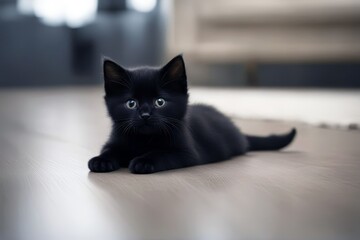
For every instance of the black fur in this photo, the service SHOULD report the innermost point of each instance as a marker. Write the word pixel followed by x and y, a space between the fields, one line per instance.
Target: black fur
pixel 148 138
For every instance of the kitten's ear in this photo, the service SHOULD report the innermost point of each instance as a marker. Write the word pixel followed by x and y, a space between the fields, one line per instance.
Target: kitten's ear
pixel 174 75
pixel 116 77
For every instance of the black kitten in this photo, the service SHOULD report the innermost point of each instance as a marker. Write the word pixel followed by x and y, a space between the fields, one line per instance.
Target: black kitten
pixel 154 128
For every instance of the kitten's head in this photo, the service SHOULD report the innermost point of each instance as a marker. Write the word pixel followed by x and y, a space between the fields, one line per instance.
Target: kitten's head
pixel 146 100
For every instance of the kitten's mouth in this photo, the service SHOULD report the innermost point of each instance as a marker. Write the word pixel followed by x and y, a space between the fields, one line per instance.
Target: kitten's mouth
pixel 146 128
pixel 145 125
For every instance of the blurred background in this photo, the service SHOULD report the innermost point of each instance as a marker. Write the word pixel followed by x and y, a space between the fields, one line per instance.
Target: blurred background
pixel 272 43
pixel 298 46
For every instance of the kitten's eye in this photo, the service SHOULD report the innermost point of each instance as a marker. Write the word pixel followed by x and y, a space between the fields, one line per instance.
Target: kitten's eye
pixel 131 104
pixel 160 102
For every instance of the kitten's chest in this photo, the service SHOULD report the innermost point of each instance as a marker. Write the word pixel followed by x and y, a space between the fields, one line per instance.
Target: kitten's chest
pixel 147 144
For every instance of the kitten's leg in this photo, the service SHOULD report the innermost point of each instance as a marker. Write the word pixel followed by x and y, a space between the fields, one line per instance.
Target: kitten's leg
pixel 161 161
pixel 107 161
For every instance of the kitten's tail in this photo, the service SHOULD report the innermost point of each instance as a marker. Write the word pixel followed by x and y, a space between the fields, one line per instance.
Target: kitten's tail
pixel 272 142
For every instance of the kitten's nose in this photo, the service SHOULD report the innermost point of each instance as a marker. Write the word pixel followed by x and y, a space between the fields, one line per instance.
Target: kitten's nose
pixel 145 115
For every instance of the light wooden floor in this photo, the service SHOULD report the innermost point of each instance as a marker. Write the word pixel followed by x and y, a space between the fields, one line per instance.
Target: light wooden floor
pixel 311 190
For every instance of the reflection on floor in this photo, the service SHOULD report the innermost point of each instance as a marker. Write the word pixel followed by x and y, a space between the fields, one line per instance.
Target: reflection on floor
pixel 310 190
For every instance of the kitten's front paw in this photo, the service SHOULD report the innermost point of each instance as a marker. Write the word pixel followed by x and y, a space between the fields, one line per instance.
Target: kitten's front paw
pixel 141 166
pixel 100 164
